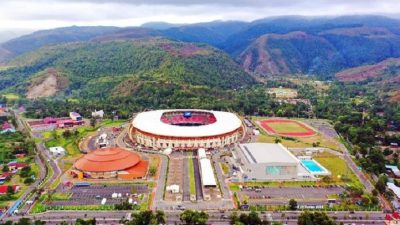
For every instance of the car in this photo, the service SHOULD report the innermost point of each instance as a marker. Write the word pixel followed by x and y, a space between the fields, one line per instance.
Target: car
pixel 181 207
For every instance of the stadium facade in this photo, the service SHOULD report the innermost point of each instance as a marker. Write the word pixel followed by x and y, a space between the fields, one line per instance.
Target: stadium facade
pixel 185 129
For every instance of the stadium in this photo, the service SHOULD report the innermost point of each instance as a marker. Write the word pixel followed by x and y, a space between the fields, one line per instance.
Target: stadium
pixel 107 163
pixel 185 129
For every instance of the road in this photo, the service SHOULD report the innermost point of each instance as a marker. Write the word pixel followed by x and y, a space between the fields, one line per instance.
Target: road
pixel 42 154
pixel 215 217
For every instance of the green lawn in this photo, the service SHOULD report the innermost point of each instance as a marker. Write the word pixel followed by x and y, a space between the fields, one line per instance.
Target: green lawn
pixel 11 96
pixel 287 127
pixel 70 144
pixel 191 177
pixel 338 168
pixel 111 123
pixel 225 168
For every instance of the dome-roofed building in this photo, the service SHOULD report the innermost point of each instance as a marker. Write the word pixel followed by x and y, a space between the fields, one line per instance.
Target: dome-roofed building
pixel 111 163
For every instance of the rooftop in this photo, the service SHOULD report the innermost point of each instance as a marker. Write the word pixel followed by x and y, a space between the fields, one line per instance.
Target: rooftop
pixel 108 159
pixel 150 122
pixel 268 153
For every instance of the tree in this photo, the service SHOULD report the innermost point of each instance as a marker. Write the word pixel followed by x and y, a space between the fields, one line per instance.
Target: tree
pixel 5 168
pixel 152 170
pixel 381 184
pixel 67 134
pixel 245 219
pixel 25 172
pixel 191 217
pixel 24 221
pixel 292 204
pixel 93 121
pixel 39 222
pixel 315 218
pixel 10 190
pixel 160 217
pixel 29 180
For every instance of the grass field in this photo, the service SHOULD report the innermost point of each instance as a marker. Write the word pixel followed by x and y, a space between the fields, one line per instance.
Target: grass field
pixel 283 92
pixel 191 177
pixel 287 127
pixel 341 173
pixel 11 96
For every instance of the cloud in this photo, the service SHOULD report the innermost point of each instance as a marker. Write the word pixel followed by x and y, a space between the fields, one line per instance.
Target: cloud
pixel 42 14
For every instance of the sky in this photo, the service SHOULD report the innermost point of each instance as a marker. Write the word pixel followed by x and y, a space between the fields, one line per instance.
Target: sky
pixel 17 16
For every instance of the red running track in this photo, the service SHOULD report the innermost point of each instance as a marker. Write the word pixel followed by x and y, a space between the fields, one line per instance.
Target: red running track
pixel 264 124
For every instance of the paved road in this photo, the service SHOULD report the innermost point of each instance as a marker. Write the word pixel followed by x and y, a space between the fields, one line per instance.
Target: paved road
pixel 185 179
pixel 216 159
pixel 197 178
pixel 215 217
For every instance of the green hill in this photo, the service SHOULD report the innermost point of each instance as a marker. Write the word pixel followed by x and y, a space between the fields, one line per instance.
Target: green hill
pixel 106 69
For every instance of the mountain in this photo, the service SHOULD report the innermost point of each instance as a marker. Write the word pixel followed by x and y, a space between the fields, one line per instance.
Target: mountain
pixel 320 46
pixel 103 69
pixel 212 33
pixel 159 25
pixel 38 39
pixel 382 77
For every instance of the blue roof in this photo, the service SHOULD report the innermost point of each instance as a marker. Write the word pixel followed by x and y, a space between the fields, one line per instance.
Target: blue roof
pixel 15 206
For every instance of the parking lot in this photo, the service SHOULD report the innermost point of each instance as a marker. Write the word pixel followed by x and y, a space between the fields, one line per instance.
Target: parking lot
pixel 93 195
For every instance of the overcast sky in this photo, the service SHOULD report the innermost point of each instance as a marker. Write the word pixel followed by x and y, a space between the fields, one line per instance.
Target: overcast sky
pixel 20 15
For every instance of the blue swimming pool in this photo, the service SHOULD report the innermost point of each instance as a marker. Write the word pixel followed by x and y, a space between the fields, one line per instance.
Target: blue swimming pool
pixel 312 166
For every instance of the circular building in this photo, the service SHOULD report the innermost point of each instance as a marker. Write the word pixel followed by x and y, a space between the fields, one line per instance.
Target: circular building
pixel 111 163
pixel 185 129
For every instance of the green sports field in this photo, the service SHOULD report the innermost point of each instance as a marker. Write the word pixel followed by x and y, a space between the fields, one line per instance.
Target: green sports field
pixel 287 127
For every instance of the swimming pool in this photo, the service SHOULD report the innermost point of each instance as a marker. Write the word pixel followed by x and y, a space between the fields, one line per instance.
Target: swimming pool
pixel 314 167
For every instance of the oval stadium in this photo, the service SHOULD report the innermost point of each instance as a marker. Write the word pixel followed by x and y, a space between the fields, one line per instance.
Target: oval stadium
pixel 185 129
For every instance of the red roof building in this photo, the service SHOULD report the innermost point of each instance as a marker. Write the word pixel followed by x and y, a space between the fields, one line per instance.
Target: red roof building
pixel 6 126
pixel 3 188
pixel 17 165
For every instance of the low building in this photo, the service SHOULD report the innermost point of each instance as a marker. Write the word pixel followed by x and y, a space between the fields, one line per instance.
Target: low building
pixel 16 165
pixel 57 150
pixel 268 161
pixel 207 173
pixel 173 188
pixel 7 127
pixel 75 116
pixel 4 188
pixel 393 169
pixel 394 189
pixel 98 114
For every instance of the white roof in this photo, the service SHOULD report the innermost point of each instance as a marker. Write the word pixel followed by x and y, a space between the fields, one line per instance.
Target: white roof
pixel 150 122
pixel 395 170
pixel 201 153
pixel 57 149
pixel 268 153
pixel 207 173
pixel 394 188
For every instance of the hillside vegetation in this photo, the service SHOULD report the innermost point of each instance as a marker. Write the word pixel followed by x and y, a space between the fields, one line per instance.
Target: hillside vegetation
pixel 124 68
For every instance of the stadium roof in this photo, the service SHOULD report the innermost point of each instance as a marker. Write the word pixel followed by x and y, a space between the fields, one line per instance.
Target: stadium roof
pixel 106 160
pixel 268 153
pixel 150 122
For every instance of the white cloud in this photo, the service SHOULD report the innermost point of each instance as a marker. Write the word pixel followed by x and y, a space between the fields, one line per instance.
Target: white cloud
pixel 43 14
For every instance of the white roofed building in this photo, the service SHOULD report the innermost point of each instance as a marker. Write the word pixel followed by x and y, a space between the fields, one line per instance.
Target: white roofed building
pixel 207 173
pixel 57 150
pixel 269 161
